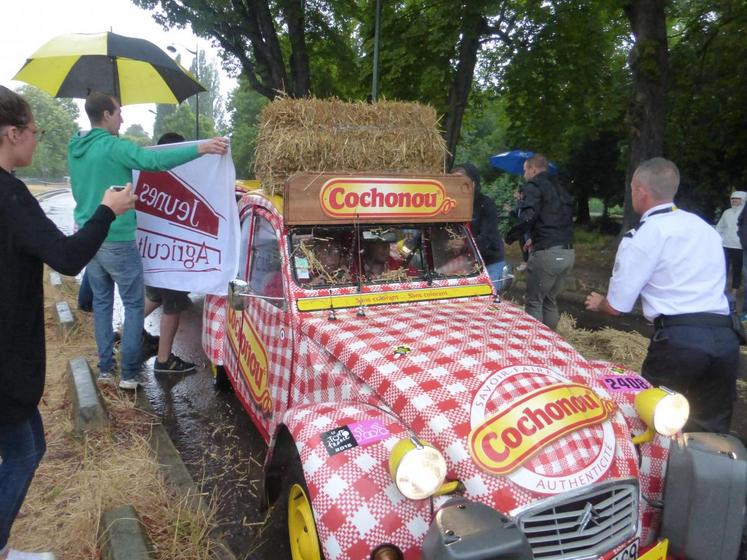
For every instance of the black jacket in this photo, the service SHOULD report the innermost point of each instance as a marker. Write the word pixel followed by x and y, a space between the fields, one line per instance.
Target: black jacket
pixel 485 229
pixel 30 239
pixel 545 213
pixel 742 228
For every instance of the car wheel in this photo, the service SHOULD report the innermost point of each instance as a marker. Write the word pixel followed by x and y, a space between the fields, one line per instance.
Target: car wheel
pixel 302 535
pixel 220 377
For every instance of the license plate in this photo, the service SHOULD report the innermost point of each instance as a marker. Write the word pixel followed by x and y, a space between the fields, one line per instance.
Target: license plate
pixel 629 553
pixel 659 552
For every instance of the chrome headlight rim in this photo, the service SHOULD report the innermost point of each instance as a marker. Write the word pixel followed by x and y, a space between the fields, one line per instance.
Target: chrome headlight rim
pixel 418 469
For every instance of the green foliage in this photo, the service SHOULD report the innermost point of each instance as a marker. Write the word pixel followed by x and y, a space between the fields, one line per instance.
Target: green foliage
pixel 483 131
pixel 210 102
pixel 182 121
pixel 503 191
pixel 706 133
pixel 137 135
pixel 244 106
pixel 57 117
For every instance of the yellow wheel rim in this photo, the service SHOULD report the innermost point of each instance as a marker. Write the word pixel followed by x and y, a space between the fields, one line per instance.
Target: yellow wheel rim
pixel 301 528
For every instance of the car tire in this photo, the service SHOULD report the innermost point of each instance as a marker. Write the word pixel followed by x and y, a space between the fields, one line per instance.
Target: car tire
pixel 295 506
pixel 220 378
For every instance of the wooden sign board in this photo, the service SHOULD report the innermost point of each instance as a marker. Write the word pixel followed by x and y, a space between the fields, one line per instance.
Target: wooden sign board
pixel 339 198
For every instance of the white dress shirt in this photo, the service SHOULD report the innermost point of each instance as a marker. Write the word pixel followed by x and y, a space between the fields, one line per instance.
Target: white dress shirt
pixel 674 261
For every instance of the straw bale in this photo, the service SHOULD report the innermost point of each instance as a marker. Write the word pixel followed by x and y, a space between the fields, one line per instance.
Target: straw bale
pixel 330 135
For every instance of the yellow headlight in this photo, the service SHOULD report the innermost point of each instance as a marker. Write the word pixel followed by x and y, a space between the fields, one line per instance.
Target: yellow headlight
pixel 417 468
pixel 663 410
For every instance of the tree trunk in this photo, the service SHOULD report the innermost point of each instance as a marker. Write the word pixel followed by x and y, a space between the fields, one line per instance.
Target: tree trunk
pixel 469 45
pixel 582 209
pixel 647 113
pixel 293 11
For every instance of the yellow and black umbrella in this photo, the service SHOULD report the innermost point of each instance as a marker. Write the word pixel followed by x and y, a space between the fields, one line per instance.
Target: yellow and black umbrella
pixel 134 70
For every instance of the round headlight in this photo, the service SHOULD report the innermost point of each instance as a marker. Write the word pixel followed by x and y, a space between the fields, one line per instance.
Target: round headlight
pixel 663 410
pixel 671 414
pixel 418 471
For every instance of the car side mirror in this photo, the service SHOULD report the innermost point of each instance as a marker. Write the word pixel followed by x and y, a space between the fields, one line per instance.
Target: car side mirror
pixel 507 280
pixel 238 290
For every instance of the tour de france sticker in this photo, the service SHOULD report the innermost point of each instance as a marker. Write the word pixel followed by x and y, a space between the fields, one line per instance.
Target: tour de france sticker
pixel 338 440
pixel 365 432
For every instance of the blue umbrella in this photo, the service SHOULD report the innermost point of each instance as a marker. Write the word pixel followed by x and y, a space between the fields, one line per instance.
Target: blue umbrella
pixel 513 161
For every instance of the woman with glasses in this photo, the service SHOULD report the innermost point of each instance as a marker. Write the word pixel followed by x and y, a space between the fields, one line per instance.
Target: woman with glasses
pixel 29 240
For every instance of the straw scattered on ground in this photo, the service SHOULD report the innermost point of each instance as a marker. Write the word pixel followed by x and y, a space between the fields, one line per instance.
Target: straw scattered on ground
pixel 80 478
pixel 326 135
pixel 619 347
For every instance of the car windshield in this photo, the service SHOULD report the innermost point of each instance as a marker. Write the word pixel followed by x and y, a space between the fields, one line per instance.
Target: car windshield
pixel 324 256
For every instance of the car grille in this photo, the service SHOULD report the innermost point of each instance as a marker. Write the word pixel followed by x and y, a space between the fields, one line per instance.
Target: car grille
pixel 582 525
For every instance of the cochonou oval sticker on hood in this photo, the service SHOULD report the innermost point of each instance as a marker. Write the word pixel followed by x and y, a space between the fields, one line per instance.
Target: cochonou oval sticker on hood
pixel 520 411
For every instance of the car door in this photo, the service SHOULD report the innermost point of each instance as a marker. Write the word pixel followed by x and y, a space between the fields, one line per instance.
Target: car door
pixel 259 353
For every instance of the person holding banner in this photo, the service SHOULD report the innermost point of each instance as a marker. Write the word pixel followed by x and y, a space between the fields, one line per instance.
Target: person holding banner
pixel 172 303
pixel 30 240
pixel 99 159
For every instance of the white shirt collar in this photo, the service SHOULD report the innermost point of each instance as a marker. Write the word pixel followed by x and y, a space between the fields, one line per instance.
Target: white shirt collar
pixel 648 212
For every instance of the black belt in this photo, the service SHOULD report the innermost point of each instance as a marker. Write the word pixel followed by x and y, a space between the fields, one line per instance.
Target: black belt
pixel 693 320
pixel 563 246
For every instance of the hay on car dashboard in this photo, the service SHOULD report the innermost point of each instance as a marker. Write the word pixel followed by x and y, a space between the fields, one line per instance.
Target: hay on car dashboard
pixel 330 135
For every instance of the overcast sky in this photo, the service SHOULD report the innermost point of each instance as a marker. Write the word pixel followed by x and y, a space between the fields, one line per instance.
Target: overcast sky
pixel 31 23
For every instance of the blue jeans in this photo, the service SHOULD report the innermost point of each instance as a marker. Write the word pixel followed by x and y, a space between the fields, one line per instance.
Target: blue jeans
pixel 22 447
pixel 118 262
pixel 85 294
pixel 495 271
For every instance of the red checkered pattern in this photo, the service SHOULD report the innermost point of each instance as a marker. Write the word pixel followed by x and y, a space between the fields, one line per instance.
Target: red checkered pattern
pixel 347 370
pixel 214 327
pixel 653 455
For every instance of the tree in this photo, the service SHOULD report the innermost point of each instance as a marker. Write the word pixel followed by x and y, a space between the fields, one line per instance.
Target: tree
pixel 648 108
pixel 182 121
pixel 210 102
pixel 248 32
pixel 707 106
pixel 136 134
pixel 244 106
pixel 162 112
pixel 58 118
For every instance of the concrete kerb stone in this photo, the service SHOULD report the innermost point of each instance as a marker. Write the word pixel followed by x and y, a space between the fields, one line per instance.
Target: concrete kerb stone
pixel 89 411
pixel 175 472
pixel 122 536
pixel 65 318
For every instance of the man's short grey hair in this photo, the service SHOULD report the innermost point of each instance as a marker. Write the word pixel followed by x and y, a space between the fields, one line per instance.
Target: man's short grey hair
pixel 660 176
pixel 539 162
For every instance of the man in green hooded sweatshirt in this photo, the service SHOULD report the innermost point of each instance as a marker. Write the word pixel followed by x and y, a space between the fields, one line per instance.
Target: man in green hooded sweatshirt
pixel 99 159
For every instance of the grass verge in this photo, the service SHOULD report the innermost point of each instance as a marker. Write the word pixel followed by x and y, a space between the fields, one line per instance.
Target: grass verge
pixel 80 478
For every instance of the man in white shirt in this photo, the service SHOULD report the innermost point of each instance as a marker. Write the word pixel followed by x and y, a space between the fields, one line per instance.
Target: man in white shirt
pixel 675 262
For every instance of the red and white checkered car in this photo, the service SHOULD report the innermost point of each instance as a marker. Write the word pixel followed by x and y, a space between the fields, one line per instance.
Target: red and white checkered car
pixel 409 413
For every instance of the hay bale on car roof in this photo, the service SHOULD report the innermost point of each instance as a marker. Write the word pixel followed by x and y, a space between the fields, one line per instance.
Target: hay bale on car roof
pixel 330 135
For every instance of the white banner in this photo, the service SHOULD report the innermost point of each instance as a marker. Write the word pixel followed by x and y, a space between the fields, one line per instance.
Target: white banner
pixel 188 224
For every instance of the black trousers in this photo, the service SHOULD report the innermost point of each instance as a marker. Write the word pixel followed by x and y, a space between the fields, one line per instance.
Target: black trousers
pixel 733 259
pixel 701 363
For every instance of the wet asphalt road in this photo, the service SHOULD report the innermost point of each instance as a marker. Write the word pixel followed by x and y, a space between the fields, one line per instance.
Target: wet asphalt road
pixel 218 443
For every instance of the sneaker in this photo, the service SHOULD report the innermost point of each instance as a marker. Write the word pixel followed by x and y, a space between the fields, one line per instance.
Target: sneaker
pixel 18 555
pixel 105 377
pixel 173 365
pixel 133 383
pixel 522 267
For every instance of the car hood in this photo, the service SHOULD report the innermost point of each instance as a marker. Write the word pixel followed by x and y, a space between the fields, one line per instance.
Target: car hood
pixel 517 412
